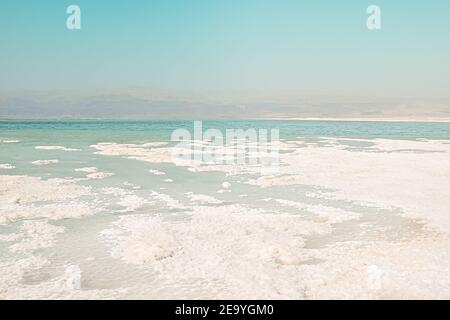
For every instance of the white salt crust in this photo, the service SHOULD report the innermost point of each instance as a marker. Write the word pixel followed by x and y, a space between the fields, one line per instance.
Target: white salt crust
pixel 243 251
pixel 12 286
pixel 44 162
pixel 248 254
pixel 411 176
pixel 416 183
pixel 7 166
pixel 236 251
pixel 24 197
pixel 58 148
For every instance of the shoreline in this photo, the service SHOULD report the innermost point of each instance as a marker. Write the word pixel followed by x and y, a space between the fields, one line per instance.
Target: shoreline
pixel 350 119
pixel 342 119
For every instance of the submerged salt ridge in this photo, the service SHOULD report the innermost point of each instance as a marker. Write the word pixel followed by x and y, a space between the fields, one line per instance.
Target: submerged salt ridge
pixel 339 212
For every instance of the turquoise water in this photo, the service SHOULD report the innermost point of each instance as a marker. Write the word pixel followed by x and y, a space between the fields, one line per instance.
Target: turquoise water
pixel 121 131
pixel 82 134
pixel 169 197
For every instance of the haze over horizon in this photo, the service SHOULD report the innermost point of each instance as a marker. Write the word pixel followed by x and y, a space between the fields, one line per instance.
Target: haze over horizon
pixel 224 59
pixel 148 103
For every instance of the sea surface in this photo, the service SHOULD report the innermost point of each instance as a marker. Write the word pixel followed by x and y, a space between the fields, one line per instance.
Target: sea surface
pixel 100 209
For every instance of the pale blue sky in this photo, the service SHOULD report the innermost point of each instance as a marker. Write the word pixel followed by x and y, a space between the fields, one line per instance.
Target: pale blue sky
pixel 311 46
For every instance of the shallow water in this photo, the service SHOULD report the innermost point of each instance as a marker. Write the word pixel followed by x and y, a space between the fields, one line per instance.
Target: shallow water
pixel 122 220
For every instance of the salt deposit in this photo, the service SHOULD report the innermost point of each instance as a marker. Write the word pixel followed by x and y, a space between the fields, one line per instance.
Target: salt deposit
pixel 6 166
pixel 60 148
pixel 44 162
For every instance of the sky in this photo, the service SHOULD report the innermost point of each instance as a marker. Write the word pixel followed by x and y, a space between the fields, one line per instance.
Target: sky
pixel 316 47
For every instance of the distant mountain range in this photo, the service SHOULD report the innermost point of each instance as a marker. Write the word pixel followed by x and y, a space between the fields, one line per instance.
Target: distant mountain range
pixel 144 103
